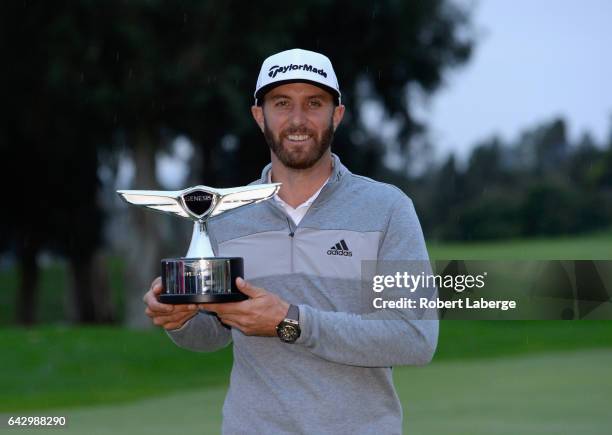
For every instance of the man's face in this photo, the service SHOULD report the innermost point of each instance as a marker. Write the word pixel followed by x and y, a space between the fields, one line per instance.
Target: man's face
pixel 298 121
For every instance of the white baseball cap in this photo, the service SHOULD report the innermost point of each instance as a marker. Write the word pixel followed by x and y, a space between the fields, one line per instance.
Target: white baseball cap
pixel 293 66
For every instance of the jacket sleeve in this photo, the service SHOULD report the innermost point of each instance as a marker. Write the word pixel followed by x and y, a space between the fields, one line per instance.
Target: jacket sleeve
pixel 384 337
pixel 202 333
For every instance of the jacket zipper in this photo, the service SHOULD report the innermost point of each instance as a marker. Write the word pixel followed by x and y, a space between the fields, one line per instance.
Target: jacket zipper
pixel 292 236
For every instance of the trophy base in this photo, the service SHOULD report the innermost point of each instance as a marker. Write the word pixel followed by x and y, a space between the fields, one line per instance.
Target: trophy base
pixel 201 299
pixel 201 280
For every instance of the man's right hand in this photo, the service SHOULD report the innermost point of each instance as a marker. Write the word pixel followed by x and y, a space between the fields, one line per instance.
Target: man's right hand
pixel 165 315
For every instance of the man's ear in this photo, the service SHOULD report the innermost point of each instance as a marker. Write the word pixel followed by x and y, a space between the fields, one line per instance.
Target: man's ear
pixel 338 115
pixel 257 112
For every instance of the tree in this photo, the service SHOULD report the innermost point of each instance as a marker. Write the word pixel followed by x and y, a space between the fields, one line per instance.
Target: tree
pixel 49 152
pixel 143 67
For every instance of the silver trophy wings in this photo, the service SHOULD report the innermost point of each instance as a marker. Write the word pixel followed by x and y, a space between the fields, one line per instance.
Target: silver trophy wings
pixel 200 203
pixel 186 203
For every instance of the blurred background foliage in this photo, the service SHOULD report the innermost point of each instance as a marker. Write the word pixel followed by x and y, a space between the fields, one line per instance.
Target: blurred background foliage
pixel 96 92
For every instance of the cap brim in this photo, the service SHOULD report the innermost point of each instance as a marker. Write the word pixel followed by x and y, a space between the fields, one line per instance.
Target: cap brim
pixel 267 88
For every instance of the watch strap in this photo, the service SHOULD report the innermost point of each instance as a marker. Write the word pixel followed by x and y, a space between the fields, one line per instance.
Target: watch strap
pixel 293 313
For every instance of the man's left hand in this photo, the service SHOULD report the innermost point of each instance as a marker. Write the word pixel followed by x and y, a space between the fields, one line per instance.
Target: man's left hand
pixel 258 315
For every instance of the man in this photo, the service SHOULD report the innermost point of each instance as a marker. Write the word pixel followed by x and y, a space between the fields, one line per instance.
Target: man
pixel 306 357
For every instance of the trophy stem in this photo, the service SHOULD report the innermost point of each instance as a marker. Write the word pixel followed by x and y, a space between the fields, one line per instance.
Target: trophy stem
pixel 200 243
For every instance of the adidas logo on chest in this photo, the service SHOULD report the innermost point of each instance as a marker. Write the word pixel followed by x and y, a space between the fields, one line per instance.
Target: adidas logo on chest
pixel 340 248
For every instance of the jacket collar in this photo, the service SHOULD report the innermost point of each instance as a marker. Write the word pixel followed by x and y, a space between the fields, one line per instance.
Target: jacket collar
pixel 339 173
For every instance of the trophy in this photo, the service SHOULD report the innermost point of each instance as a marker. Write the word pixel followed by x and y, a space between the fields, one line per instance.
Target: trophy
pixel 200 277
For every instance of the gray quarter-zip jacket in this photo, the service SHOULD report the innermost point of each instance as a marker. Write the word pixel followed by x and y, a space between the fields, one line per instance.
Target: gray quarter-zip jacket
pixel 336 378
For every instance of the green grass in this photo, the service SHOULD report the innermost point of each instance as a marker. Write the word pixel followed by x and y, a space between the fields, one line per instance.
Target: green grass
pixel 553 393
pixel 187 412
pixel 463 339
pixel 550 393
pixel 488 377
pixel 65 367
pixel 55 366
pixel 595 246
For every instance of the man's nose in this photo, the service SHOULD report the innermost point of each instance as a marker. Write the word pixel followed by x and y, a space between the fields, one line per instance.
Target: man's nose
pixel 297 115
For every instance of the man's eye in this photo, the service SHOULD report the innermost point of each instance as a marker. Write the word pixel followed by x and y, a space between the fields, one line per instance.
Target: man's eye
pixel 315 103
pixel 282 103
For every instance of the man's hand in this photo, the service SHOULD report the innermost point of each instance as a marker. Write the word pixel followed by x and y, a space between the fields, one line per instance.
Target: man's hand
pixel 258 315
pixel 165 315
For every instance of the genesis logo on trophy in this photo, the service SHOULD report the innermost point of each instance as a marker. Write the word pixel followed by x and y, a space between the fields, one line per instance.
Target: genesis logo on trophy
pixel 198 202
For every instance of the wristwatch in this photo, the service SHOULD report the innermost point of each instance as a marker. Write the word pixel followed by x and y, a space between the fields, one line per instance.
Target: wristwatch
pixel 288 330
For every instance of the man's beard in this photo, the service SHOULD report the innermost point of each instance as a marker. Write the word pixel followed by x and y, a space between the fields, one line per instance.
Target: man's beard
pixel 295 160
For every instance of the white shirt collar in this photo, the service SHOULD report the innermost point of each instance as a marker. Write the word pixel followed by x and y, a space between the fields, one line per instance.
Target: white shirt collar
pixel 306 203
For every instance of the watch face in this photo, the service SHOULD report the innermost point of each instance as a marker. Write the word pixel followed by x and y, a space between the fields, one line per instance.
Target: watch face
pixel 288 333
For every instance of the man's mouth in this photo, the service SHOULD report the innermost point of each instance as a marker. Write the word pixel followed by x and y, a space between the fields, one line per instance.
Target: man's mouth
pixel 298 137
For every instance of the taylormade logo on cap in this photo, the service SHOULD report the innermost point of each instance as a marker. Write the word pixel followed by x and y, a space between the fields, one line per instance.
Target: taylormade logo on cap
pixel 297 65
pixel 283 69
